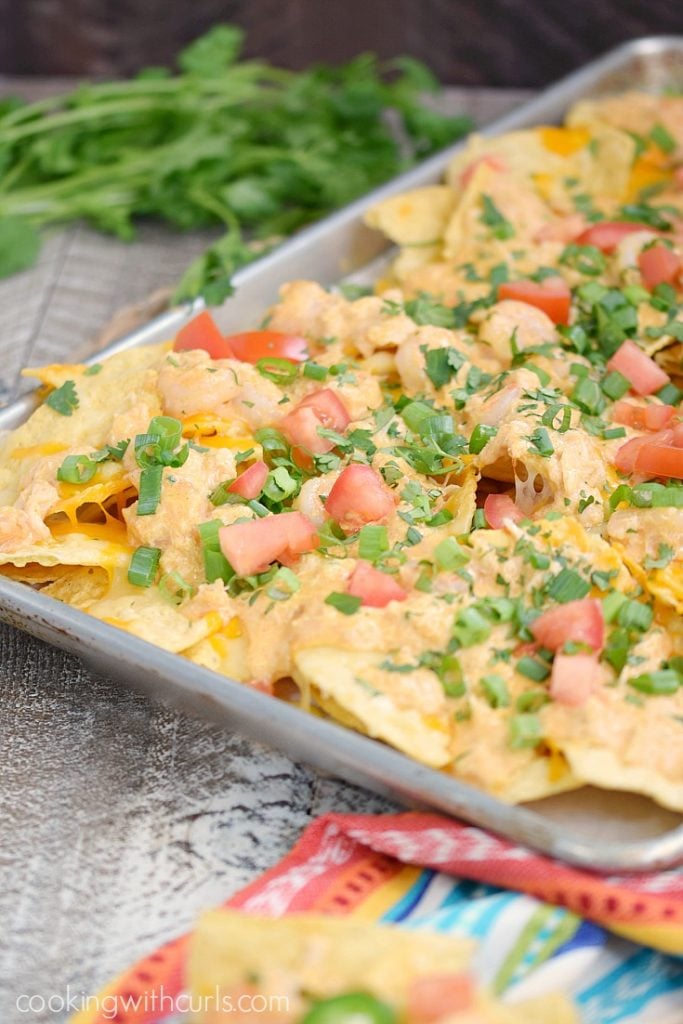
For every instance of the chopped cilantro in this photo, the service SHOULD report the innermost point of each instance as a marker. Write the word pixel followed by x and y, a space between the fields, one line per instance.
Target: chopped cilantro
pixel 63 399
pixel 492 217
pixel 347 604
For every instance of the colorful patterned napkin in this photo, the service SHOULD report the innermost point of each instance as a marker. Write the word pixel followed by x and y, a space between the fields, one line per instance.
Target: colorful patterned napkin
pixel 559 928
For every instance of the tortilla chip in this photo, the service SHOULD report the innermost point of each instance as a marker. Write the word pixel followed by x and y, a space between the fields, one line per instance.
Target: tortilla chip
pixel 80 587
pixel 123 376
pixel 319 956
pixel 75 549
pixel 308 957
pixel 379 701
pixel 417 217
pixel 146 614
pixel 223 653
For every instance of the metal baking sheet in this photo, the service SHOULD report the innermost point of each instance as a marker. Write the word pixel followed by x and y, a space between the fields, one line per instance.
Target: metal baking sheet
pixel 604 831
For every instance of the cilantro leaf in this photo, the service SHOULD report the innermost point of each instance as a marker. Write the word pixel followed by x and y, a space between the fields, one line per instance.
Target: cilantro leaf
pixel 63 399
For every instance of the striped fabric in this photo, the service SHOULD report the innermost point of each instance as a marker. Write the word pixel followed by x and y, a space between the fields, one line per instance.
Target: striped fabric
pixel 410 870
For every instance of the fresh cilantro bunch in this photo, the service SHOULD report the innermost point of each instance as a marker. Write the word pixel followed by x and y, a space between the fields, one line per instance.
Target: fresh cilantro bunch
pixel 258 149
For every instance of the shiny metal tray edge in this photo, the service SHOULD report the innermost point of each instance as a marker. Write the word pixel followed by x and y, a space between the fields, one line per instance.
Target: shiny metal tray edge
pixel 336 248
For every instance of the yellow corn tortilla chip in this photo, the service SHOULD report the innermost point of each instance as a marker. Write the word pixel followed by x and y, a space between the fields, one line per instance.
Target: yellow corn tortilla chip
pixel 223 652
pixel 80 587
pixel 308 957
pixel 120 383
pixel 73 549
pixel 145 613
pixel 418 217
pixel 381 702
pixel 319 956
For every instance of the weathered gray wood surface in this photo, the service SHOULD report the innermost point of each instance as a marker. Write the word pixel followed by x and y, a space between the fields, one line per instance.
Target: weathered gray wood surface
pixel 120 820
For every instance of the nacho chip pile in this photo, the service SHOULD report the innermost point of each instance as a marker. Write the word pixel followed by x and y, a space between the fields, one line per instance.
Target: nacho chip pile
pixel 448 513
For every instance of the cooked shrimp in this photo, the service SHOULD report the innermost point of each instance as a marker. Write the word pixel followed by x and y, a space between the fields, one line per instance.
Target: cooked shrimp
pixel 190 383
pixel 19 529
pixel 512 319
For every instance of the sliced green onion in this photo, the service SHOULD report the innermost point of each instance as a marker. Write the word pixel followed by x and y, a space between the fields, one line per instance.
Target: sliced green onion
pixel 611 432
pixel 587 396
pixel 450 555
pixel 76 469
pixel 260 510
pixel 274 443
pixel 615 385
pixel 670 394
pixel 540 440
pixel 347 604
pixel 622 493
pixel 587 259
pixel 280 484
pixel 654 495
pixel 143 566
pixel 222 495
pixel 617 650
pixel 280 371
pixel 471 627
pixel 611 605
pixel 532 700
pixel 315 372
pixel 479 520
pixel 525 731
pixel 283 585
pixel 150 490
pixel 499 609
pixel 168 429
pixel 481 435
pixel 216 565
pixel 495 690
pixel 567 585
pixel 635 615
pixel 440 518
pixel 449 671
pixel 93 370
pixel 549 417
pixel 373 542
pixel 533 669
pixel 663 682
pixel 174 589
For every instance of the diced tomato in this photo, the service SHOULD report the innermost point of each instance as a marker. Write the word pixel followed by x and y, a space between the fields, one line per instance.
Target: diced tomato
pixel 551 295
pixel 656 459
pixel 301 427
pixel 436 996
pixel 359 496
pixel 658 265
pixel 322 408
pixel 375 589
pixel 250 346
pixel 202 332
pixel 250 483
pixel 642 373
pixel 251 547
pixel 496 163
pixel 649 417
pixel 607 234
pixel 625 458
pixel 499 509
pixel 581 622
pixel 329 409
pixel 677 439
pixel 574 678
